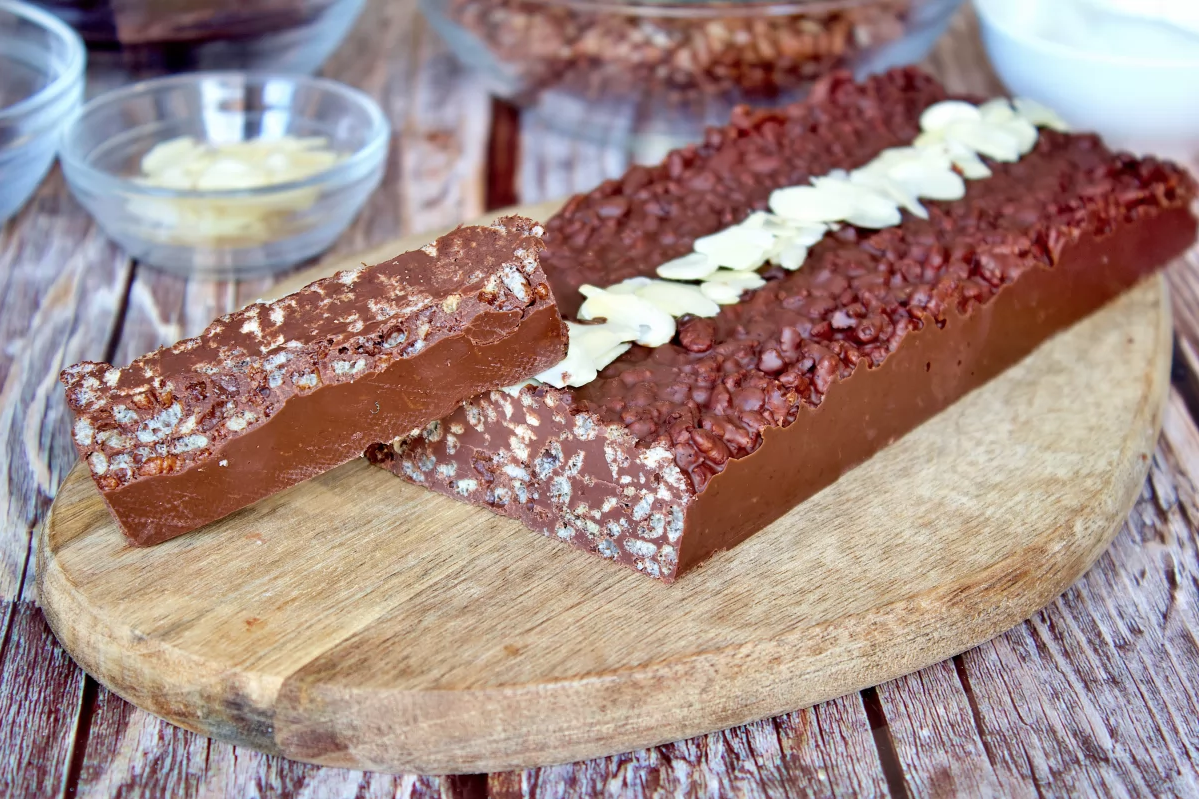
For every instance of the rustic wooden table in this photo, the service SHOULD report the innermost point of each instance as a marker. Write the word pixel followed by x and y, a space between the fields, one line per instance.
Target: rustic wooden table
pixel 1096 695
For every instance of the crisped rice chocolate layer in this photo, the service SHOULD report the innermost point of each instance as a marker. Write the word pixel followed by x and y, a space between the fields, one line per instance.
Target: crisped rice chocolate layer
pixel 276 393
pixel 712 393
pixel 890 326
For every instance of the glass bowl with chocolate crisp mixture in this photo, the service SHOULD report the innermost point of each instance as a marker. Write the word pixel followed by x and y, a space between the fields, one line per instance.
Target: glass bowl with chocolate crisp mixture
pixel 665 69
pixel 136 39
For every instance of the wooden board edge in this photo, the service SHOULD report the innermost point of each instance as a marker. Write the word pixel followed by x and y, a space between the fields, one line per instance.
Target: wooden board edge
pixel 275 719
pixel 131 666
pixel 534 706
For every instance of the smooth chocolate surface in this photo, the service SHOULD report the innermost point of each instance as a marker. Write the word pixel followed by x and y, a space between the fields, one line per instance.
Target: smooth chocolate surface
pixel 680 451
pixel 276 393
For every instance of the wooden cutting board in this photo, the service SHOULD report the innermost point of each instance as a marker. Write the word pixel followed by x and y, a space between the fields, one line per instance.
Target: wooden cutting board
pixel 356 620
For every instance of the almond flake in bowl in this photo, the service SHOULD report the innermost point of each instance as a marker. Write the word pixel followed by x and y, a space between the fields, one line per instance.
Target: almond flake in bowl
pixel 226 174
pixel 186 164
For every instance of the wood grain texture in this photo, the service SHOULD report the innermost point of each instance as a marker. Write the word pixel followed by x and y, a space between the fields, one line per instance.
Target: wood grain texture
pixel 130 751
pixel 40 694
pixel 932 728
pixel 554 166
pixel 958 59
pixel 324 674
pixel 61 292
pixel 1184 291
pixel 823 751
pixel 1097 694
pixel 61 287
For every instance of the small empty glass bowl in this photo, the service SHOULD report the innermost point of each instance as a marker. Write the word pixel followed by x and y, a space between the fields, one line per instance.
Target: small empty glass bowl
pixel 173 168
pixel 41 84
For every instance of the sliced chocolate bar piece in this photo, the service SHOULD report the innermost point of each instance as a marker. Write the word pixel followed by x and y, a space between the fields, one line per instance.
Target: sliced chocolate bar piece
pixel 677 451
pixel 279 392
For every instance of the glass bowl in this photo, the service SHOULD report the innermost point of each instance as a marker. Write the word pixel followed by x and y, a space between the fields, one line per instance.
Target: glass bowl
pixel 139 39
pixel 611 68
pixel 41 84
pixel 227 232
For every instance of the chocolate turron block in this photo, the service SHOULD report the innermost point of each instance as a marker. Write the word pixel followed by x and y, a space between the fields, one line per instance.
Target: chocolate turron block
pixel 279 392
pixel 682 450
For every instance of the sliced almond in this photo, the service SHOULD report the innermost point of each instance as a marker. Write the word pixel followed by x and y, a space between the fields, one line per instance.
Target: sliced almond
pixel 678 299
pixel 768 222
pixel 897 191
pixel 721 293
pixel 610 355
pixel 597 339
pixel 1024 131
pixel 807 235
pixel 738 247
pixel 808 204
pixel 971 166
pixel 985 139
pixel 939 116
pixel 742 280
pixel 630 285
pixel 928 181
pixel 170 154
pixel 997 111
pixel 693 266
pixel 515 388
pixel 1040 115
pixel 792 256
pixel 654 326
pixel 228 174
pixel 577 369
pixel 867 207
pixel 587 347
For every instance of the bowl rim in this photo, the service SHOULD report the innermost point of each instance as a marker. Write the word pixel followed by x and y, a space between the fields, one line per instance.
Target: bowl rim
pixel 71 76
pixel 988 18
pixel 708 9
pixel 78 170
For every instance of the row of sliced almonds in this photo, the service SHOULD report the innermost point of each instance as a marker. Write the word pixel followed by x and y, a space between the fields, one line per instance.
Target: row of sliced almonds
pixel 954 136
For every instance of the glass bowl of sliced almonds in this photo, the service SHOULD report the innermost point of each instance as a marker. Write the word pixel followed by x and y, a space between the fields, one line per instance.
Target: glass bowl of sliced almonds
pixel 226 174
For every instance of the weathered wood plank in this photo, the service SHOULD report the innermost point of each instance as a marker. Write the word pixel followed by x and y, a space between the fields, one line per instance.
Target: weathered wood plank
pixel 554 165
pixel 131 752
pixel 959 61
pixel 503 155
pixel 931 726
pixel 40 692
pixel 61 289
pixel 1096 695
pixel 825 751
pixel 1184 289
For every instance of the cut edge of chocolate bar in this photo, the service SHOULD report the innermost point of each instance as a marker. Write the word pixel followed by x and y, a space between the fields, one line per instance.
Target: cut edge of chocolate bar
pixel 278 392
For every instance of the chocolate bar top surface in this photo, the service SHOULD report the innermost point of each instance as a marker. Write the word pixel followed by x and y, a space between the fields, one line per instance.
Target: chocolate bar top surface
pixel 247 364
pixel 710 393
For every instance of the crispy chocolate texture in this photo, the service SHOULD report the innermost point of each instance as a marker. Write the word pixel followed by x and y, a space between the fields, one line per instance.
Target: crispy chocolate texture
pixel 279 392
pixel 680 451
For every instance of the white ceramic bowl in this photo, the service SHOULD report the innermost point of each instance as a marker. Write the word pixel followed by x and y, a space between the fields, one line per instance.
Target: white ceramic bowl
pixel 1144 98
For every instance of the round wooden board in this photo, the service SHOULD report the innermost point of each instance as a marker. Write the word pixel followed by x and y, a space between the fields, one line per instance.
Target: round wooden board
pixel 356 620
